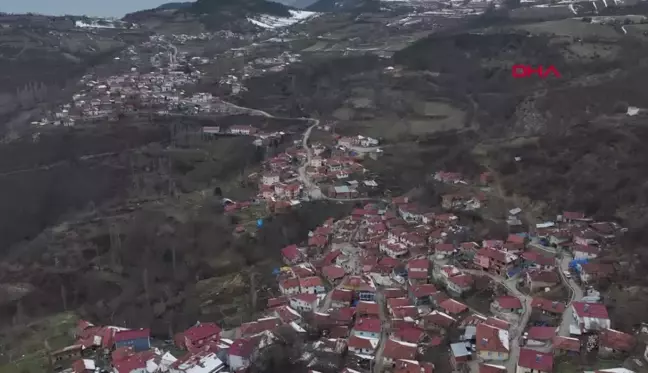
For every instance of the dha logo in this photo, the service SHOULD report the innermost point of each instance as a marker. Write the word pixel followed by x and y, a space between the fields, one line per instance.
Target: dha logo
pixel 524 71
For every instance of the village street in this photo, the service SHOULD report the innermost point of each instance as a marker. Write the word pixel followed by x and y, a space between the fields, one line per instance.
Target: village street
pixel 384 333
pixel 516 331
pixel 576 295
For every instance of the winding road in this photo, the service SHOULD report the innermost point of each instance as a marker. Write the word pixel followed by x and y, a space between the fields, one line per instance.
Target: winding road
pixel 517 331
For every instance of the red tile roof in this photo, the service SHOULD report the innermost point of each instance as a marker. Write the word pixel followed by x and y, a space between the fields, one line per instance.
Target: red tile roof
pixel 339 331
pixel 133 362
pixel 398 302
pixel 444 247
pixel 289 283
pixel 368 324
pixel 424 290
pixel 439 318
pixel 202 331
pixel 396 350
pixel 538 258
pixel 342 295
pixel 550 277
pixel 452 306
pixel 394 293
pixel 367 308
pixel 287 314
pixel 243 347
pixel 489 338
pixel 498 323
pixel 389 262
pixel 413 366
pixel 128 335
pixel 333 272
pixel 548 305
pixel 535 360
pixel 508 302
pixel 363 343
pixel 592 310
pixel 405 312
pixel 410 334
pixel 291 253
pixel 565 343
pixel 422 264
pixel 261 325
pixel 463 281
pixel 586 249
pixel 514 238
pixel 312 281
pixel 278 301
pixel 617 340
pixel 542 333
pixel 490 368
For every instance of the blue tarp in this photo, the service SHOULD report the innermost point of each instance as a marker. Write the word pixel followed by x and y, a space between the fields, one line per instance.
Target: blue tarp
pixel 513 271
pixel 574 263
pixel 276 271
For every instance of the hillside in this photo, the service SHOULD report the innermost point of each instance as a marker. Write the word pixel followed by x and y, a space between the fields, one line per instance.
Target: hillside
pixel 345 6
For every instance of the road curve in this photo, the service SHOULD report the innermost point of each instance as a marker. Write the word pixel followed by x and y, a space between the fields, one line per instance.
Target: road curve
pixel 516 331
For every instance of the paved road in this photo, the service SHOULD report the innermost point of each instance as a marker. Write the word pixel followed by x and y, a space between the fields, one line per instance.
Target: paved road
pixel 576 295
pixel 384 334
pixel 516 331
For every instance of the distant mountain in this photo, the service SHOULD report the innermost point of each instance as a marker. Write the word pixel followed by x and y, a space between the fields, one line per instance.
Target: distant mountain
pixel 176 5
pixel 345 6
pixel 300 4
pixel 238 8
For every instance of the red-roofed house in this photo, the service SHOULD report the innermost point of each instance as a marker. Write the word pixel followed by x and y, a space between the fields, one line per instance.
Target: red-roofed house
pixel 498 323
pixel 397 350
pixel 490 368
pixel 562 345
pixel 437 320
pixel 362 345
pixel 133 362
pixel 394 303
pixel 413 366
pixel 420 294
pixel 409 334
pixel 318 241
pixel 540 335
pixel 240 352
pixel 574 216
pixel 532 361
pixel 495 260
pixel 291 254
pixel 453 307
pixel 394 293
pixel 406 312
pixel 286 314
pixel 507 304
pixel 304 302
pixel 537 261
pixel 197 336
pixel 312 285
pixel 341 298
pixel 333 273
pixel 536 280
pixel 367 327
pixel 253 328
pixel 492 343
pixel 590 316
pixel 418 270
pixel 460 284
pixel 547 306
pixel 364 308
pixel 289 286
pixel 613 342
pixel 585 251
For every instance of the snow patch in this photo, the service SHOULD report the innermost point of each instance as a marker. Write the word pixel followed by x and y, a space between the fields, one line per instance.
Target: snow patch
pixel 273 22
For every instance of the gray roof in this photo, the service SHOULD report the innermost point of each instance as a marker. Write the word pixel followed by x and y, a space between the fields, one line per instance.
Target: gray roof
pixel 342 189
pixel 459 349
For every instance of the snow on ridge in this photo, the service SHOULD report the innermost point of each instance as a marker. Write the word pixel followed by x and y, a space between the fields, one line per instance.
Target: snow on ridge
pixel 272 22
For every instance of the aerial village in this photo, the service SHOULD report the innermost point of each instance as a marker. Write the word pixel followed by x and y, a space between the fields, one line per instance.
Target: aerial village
pixel 396 287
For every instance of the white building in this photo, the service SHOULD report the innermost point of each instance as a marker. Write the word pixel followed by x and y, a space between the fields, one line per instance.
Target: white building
pixel 590 316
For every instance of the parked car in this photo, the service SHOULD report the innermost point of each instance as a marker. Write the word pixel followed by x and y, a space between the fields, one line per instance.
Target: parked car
pixel 567 274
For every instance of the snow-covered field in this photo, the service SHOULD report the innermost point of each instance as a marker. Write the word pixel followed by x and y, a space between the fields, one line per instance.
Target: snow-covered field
pixel 272 22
